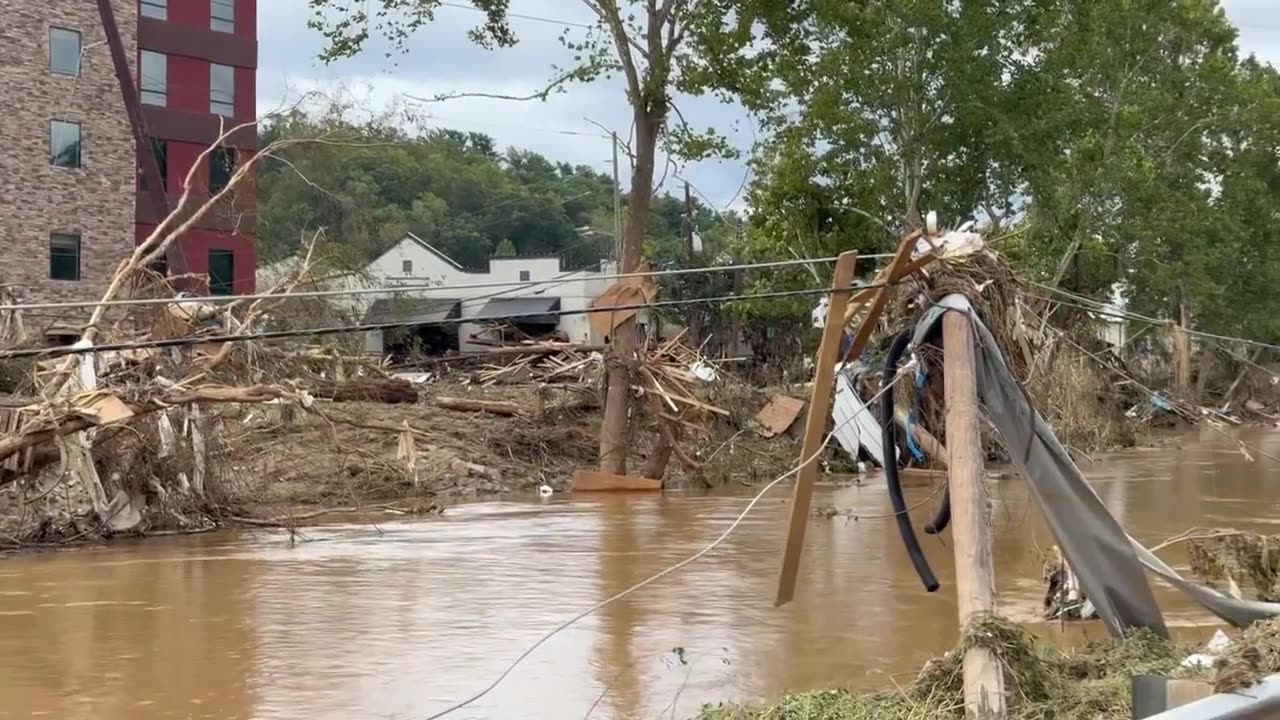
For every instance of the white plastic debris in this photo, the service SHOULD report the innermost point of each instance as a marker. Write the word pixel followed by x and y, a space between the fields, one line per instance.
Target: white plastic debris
pixel 167 438
pixel 819 313
pixel 953 244
pixel 1217 644
pixel 704 371
pixel 545 491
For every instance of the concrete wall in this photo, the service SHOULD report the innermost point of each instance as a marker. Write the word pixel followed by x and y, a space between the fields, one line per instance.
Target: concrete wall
pixel 36 199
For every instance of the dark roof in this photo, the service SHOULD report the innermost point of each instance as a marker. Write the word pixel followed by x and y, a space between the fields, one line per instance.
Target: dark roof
pixel 412 310
pixel 539 310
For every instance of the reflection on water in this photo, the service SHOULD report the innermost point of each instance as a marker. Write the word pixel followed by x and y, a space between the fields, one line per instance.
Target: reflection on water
pixel 401 619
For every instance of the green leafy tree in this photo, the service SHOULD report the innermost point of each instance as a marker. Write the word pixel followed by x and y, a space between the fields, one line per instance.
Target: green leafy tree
pixel 506 248
pixel 657 46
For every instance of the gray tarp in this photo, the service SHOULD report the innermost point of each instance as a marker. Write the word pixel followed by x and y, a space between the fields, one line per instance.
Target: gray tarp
pixel 1108 562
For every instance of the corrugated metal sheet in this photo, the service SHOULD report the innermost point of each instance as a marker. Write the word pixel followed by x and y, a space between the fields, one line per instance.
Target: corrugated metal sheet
pixel 537 310
pixel 412 310
pixel 856 424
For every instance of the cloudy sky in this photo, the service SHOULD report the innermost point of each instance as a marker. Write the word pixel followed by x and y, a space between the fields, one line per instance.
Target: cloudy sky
pixel 442 60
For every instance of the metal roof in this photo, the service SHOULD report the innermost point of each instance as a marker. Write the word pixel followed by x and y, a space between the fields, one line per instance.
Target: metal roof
pixel 417 311
pixel 538 310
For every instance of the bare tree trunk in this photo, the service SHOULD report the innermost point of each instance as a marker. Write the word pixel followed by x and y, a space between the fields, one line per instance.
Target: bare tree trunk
pixel 613 431
pixel 1181 354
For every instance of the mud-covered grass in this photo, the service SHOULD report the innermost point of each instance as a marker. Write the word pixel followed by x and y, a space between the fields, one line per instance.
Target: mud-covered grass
pixel 1041 680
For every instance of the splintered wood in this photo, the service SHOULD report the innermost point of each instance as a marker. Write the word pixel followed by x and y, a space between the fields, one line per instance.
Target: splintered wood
pixel 544 363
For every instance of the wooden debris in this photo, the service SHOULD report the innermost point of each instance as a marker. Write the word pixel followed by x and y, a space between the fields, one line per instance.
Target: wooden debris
pixel 496 407
pixel 383 390
pixel 622 294
pixel 778 415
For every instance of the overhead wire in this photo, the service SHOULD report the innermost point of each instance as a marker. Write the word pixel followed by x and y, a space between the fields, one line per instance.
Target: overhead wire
pixel 1100 308
pixel 678 566
pixel 400 289
pixel 364 327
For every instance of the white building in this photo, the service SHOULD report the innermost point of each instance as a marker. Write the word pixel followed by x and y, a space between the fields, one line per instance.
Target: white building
pixel 537 307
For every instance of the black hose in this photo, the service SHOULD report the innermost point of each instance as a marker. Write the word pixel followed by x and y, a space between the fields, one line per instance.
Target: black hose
pixel 888 429
pixel 943 518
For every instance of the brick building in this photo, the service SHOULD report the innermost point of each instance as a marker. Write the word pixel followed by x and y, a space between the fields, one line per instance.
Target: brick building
pixel 198 61
pixel 71 201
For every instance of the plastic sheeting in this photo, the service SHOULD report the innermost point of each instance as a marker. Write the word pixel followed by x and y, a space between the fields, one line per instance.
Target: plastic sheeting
pixel 1108 562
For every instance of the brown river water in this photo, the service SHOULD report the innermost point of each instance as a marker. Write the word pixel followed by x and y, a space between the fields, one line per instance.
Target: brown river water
pixel 400 619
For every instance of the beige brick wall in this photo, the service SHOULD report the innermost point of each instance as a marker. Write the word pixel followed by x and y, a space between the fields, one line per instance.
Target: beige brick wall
pixel 36 199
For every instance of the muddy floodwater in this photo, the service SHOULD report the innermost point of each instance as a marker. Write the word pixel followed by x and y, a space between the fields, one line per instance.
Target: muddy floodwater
pixel 400 619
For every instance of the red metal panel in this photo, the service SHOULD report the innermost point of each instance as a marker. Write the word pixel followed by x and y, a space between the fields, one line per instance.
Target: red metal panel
pixel 246 94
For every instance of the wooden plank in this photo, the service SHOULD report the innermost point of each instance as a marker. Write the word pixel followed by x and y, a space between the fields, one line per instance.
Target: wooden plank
pixel 585 480
pixel 894 272
pixel 815 424
pixel 860 298
pixel 779 415
pixel 924 439
pixel 970 525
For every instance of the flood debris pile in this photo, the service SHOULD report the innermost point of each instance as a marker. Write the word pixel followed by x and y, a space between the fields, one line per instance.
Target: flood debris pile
pixel 1092 682
pixel 1237 559
pixel 1062 364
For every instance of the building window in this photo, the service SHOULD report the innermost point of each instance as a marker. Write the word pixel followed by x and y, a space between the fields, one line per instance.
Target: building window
pixel 222 89
pixel 155 78
pixel 64 256
pixel 222 270
pixel 158 9
pixel 161 150
pixel 64 143
pixel 524 276
pixel 223 15
pixel 222 165
pixel 406 266
pixel 64 51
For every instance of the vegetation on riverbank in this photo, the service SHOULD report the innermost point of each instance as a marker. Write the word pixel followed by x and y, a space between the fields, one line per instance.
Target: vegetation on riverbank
pixel 1042 681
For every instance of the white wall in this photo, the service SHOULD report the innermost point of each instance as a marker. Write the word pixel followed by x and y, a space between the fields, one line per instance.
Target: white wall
pixel 576 290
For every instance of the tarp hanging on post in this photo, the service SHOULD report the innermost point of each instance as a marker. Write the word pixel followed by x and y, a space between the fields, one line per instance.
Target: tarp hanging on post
pixel 1108 562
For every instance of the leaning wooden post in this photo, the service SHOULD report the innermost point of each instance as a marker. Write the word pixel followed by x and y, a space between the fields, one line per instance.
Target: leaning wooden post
pixel 970 522
pixel 824 380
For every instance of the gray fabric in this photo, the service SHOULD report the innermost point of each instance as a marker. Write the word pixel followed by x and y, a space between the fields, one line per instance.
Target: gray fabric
pixel 1108 562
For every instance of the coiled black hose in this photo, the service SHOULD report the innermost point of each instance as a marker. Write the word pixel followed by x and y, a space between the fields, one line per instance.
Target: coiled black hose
pixel 888 429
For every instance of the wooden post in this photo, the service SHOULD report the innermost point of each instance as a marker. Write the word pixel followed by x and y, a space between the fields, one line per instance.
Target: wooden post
pixel 824 377
pixel 971 527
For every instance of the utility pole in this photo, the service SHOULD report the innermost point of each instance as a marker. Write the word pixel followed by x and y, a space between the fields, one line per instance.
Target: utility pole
pixel 617 203
pixel 970 519
pixel 694 314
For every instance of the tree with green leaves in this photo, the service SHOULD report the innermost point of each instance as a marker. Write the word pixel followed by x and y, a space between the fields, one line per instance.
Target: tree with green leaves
pixel 659 48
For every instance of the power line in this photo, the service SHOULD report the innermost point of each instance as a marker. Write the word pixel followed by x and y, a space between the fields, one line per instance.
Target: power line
pixel 399 289
pixel 518 16
pixel 1101 308
pixel 364 327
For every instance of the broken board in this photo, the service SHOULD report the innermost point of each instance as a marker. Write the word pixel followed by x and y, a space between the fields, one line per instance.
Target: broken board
pixel 779 415
pixel 595 481
pixel 856 424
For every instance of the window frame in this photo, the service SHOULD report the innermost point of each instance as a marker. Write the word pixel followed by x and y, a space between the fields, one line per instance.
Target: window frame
pixel 79 142
pixel 79 50
pixel 217 106
pixel 228 286
pixel 79 244
pixel 159 9
pixel 160 148
pixel 215 160
pixel 143 91
pixel 222 24
pixel 524 276
pixel 406 267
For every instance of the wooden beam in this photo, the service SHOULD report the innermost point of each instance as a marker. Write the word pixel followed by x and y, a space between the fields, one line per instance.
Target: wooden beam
pixel 924 439
pixel 896 270
pixel 824 377
pixel 970 525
